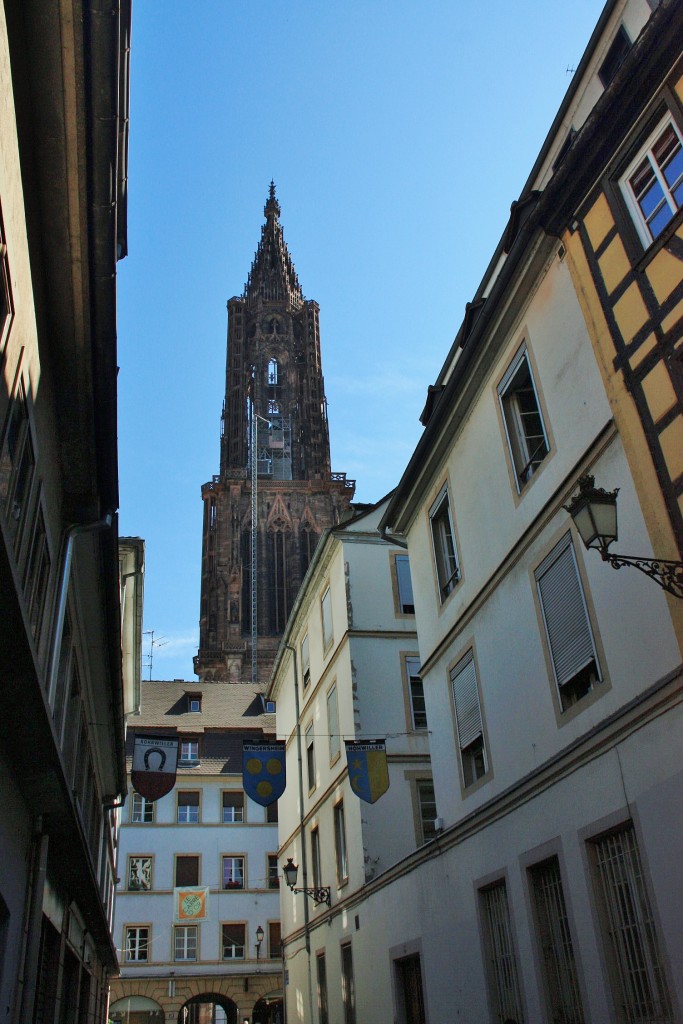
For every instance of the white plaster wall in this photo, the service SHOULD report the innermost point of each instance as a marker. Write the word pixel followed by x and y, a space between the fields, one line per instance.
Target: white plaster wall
pixel 256 904
pixel 435 907
pixel 489 516
pixel 516 687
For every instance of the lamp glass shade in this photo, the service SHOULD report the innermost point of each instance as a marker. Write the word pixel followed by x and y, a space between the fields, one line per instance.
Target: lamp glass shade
pixel 259 934
pixel 290 871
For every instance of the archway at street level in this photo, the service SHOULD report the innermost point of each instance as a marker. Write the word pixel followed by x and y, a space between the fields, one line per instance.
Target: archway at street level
pixel 208 1008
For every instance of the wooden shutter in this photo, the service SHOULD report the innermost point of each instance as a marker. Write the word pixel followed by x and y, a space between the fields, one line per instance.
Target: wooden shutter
pixel 564 612
pixel 466 698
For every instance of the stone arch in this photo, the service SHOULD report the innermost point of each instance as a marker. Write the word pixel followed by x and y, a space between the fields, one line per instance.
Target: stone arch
pixel 194 1010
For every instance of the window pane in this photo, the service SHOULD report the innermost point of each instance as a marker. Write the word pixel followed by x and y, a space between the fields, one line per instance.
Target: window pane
pixel 427 802
pixel 340 844
pixel 333 723
pixel 140 873
pixel 233 872
pixel 418 708
pixel 233 941
pixel 327 619
pixel 233 808
pixel 405 585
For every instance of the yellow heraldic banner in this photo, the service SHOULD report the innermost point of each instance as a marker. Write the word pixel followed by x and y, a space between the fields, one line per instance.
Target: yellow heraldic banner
pixel 368 770
pixel 191 903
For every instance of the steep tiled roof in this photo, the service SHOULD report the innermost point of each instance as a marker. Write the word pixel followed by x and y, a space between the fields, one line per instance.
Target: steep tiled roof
pixel 229 713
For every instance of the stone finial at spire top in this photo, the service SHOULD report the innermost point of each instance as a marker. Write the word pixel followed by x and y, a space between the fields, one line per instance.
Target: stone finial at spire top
pixel 272 207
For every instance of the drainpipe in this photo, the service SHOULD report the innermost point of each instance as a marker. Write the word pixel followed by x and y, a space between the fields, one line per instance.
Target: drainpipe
pixel 390 538
pixel 304 859
pixel 71 533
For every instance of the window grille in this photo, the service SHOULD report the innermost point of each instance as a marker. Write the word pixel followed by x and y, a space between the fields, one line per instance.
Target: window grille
pixel 558 965
pixel 501 954
pixel 642 991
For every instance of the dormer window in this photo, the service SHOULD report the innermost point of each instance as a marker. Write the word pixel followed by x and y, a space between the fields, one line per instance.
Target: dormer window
pixel 194 703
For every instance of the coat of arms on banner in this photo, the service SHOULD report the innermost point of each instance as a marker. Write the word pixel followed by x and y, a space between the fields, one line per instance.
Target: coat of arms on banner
pixel 368 770
pixel 263 771
pixel 191 903
pixel 155 759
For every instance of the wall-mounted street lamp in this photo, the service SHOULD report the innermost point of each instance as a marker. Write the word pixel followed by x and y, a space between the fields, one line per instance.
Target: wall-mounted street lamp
pixel 259 939
pixel 594 511
pixel 318 893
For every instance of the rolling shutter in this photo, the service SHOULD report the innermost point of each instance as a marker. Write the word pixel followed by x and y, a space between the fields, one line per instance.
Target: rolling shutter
pixel 564 612
pixel 466 698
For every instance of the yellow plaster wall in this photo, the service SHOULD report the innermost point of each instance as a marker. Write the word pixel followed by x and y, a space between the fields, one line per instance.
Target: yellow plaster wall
pixel 623 408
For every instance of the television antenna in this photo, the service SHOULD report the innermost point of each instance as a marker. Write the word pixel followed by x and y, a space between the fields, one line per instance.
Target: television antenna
pixel 161 642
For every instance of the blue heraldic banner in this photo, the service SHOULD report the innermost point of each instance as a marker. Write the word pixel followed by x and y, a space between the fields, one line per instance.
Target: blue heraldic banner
pixel 263 771
pixel 368 770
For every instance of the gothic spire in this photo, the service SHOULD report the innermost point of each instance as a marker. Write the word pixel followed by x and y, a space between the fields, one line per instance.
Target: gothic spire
pixel 272 277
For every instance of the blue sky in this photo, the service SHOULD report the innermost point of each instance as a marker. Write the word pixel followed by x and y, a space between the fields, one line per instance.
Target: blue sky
pixel 397 133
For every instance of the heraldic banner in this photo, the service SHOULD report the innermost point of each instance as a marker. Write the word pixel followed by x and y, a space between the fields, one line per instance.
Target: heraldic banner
pixel 191 903
pixel 154 765
pixel 368 770
pixel 263 771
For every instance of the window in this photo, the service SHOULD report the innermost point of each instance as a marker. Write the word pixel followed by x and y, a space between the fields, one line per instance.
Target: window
pixel 185 942
pixel 418 711
pixel 137 945
pixel 140 873
pixel 555 942
pixel 427 806
pixel 273 872
pixel 524 427
pixel 142 811
pixel 333 724
pixel 271 813
pixel 272 371
pixel 305 662
pixel 404 584
pixel 6 306
pixel 194 704
pixel 315 858
pixel 640 990
pixel 321 979
pixel 653 183
pixel 17 464
pixel 233 872
pixel 186 869
pixel 348 987
pixel 233 808
pixel 274 940
pixel 233 941
pixel 37 574
pixel 500 954
pixel 615 56
pixel 189 753
pixel 310 757
pixel 468 720
pixel 445 557
pixel 409 989
pixel 188 808
pixel 326 608
pixel 567 626
pixel 340 844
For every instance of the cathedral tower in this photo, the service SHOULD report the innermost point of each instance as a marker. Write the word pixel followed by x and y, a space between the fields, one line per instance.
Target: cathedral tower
pixel 273 374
